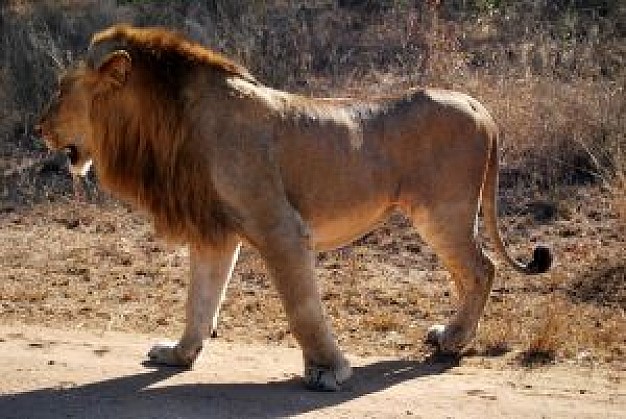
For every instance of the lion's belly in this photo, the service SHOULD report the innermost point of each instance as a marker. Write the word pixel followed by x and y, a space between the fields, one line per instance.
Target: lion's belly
pixel 331 234
pixel 333 226
pixel 338 176
pixel 339 202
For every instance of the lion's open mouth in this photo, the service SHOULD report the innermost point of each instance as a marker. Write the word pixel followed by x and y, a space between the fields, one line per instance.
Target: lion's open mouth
pixel 71 152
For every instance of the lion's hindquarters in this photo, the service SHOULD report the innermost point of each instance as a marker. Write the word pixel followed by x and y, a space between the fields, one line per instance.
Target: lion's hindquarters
pixel 444 206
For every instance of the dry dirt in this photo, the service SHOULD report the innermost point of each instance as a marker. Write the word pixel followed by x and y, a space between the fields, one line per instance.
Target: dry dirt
pixel 51 373
pixel 85 288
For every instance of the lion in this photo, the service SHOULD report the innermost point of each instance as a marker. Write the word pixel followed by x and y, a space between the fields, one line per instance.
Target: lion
pixel 218 158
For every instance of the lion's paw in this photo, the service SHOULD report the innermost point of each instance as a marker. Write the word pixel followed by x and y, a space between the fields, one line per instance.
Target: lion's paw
pixel 320 378
pixel 168 353
pixel 447 339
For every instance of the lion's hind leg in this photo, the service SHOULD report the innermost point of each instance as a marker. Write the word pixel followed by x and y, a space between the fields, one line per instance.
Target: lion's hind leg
pixel 473 277
pixel 472 272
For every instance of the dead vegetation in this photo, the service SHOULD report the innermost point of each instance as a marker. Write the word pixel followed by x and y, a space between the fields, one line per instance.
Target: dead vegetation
pixel 552 73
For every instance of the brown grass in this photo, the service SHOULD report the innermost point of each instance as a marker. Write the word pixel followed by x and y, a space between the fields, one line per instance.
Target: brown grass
pixel 546 340
pixel 102 268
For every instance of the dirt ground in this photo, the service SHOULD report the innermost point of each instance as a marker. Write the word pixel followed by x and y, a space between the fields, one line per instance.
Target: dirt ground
pixel 51 373
pixel 86 288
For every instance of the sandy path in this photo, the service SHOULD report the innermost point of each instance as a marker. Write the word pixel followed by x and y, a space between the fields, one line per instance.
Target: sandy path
pixel 48 373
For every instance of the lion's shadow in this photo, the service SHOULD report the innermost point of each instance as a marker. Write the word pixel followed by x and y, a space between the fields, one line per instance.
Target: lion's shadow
pixel 134 397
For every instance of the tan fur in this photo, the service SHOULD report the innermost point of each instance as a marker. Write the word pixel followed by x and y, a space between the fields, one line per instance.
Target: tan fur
pixel 216 157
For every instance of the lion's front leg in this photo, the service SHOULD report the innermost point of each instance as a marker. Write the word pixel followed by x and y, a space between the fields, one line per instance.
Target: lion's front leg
pixel 288 254
pixel 211 269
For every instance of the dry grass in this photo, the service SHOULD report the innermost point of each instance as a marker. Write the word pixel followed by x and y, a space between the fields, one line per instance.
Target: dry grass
pixel 546 341
pixel 102 268
pixel 620 200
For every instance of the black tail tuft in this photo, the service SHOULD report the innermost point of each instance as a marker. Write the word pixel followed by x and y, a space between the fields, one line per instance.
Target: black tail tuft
pixel 542 260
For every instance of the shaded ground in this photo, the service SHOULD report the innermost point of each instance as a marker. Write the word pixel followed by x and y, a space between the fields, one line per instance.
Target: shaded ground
pixel 49 373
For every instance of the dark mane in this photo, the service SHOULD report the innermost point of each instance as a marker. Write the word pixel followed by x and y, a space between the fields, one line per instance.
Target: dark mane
pixel 145 150
pixel 164 44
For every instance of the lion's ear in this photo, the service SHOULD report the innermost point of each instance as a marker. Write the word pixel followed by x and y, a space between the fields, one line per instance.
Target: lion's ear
pixel 116 65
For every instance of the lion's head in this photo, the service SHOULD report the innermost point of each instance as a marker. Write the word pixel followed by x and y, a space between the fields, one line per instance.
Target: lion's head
pixel 65 125
pixel 127 107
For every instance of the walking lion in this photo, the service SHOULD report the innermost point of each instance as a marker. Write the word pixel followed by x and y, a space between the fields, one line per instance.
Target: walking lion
pixel 217 158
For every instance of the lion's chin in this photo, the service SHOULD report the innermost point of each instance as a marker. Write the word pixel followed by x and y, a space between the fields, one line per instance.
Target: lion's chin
pixel 79 161
pixel 81 168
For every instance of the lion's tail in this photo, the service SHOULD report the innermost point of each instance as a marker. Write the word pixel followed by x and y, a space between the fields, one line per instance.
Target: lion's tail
pixel 542 257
